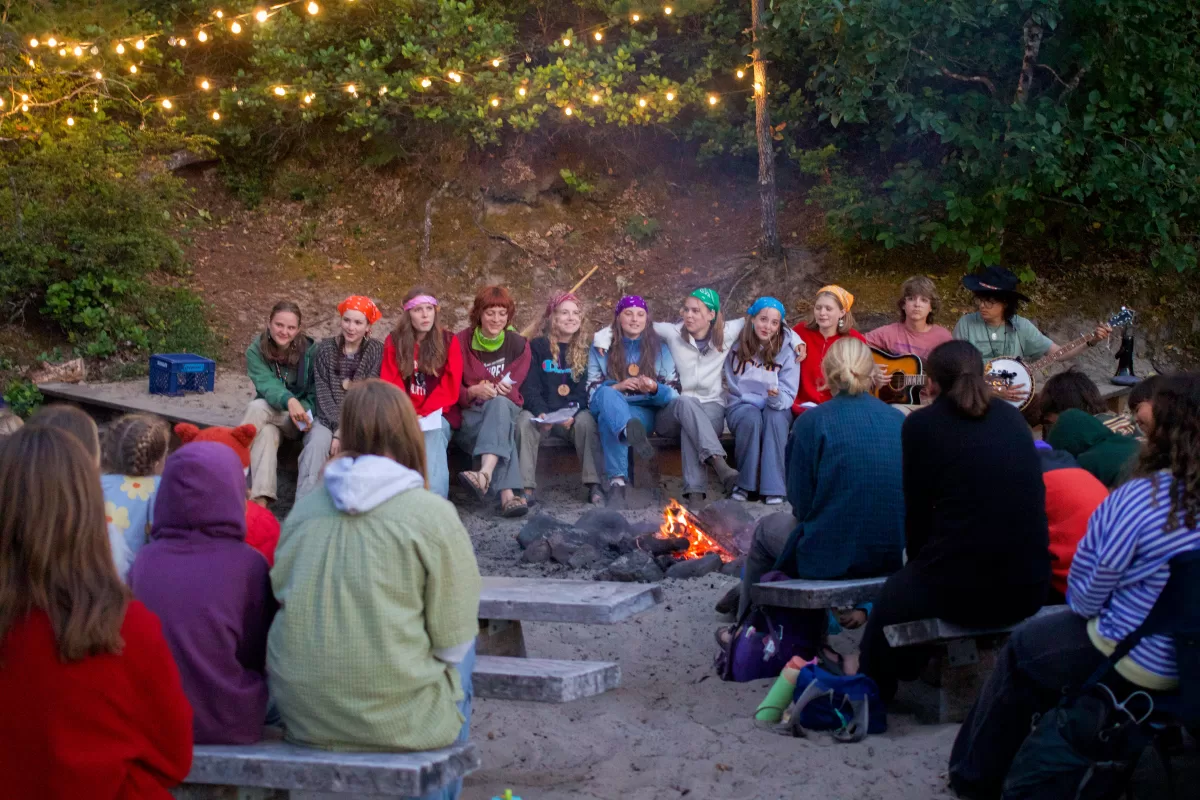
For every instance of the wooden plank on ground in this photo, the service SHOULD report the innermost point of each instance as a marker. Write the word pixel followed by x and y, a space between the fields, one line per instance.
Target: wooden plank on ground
pixel 542 680
pixel 91 395
pixel 817 594
pixel 542 600
pixel 280 765
pixel 931 631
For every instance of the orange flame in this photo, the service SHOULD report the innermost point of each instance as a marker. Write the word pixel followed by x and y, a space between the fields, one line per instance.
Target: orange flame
pixel 677 521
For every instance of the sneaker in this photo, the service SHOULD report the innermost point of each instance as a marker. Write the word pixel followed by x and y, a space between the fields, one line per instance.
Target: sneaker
pixel 635 434
pixel 616 495
pixel 773 501
pixel 739 496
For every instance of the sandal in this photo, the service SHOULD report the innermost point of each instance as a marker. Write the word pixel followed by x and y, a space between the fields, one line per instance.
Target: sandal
pixel 517 507
pixel 477 482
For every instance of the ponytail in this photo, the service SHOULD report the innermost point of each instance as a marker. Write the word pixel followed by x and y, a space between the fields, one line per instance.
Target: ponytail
pixel 957 366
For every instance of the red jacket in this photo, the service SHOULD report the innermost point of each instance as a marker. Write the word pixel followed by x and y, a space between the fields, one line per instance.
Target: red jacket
pixel 512 359
pixel 262 531
pixel 109 727
pixel 429 392
pixel 1072 494
pixel 812 377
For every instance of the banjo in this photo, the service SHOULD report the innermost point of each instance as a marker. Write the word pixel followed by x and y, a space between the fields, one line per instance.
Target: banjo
pixel 1006 373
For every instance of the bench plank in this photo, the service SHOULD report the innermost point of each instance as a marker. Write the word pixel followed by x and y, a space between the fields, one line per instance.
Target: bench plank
pixel 933 631
pixel 589 602
pixel 281 765
pixel 817 594
pixel 542 680
pixel 93 395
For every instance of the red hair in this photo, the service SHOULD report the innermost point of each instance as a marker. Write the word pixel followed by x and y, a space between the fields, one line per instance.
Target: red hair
pixel 490 297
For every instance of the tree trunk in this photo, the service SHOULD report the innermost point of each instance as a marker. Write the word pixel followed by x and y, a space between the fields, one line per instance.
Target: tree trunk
pixel 769 243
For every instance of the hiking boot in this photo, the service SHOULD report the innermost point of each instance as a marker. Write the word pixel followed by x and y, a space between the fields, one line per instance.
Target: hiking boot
pixel 726 474
pixel 635 435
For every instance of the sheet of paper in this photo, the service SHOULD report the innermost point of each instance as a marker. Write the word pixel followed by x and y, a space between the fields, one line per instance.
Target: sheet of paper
pixel 303 426
pixel 507 380
pixel 432 421
pixel 558 417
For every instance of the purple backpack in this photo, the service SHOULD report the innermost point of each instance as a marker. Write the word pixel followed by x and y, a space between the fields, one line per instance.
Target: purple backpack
pixel 766 638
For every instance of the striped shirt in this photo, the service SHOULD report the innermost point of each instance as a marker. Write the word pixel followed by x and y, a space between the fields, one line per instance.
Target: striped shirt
pixel 1122 565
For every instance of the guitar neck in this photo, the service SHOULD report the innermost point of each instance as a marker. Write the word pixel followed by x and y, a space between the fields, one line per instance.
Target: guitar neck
pixel 1050 358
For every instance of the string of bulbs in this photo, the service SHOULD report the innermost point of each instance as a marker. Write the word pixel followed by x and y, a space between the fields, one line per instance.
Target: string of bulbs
pixel 233 24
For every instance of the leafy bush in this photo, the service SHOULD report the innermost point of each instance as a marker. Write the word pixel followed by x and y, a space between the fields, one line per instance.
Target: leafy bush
pixel 576 183
pixel 23 397
pixel 642 229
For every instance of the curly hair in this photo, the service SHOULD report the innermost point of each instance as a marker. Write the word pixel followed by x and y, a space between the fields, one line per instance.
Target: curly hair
pixel 135 445
pixel 1173 446
pixel 577 349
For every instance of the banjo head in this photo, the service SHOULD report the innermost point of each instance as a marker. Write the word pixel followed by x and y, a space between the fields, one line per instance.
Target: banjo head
pixel 1004 373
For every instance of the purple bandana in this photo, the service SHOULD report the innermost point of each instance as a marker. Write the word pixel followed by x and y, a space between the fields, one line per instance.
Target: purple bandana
pixel 630 301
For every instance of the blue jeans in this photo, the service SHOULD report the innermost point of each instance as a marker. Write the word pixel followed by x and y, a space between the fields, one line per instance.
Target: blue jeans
pixel 437 469
pixel 465 668
pixel 613 411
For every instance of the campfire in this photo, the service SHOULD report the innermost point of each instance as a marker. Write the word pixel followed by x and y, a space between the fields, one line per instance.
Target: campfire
pixel 679 524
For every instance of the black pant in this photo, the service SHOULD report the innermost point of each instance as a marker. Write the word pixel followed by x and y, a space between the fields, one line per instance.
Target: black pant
pixel 914 593
pixel 1042 657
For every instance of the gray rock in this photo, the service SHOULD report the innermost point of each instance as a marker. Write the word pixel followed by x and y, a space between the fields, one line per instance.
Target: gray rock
pixel 696 567
pixel 637 529
pixel 563 545
pixel 665 562
pixel 632 568
pixel 585 557
pixel 537 553
pixel 656 546
pixel 597 520
pixel 734 567
pixel 726 521
pixel 540 526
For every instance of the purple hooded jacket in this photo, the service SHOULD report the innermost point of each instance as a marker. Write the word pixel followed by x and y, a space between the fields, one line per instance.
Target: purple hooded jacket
pixel 211 590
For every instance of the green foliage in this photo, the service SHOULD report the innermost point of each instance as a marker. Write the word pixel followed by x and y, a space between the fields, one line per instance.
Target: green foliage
pixel 22 396
pixel 642 229
pixel 576 183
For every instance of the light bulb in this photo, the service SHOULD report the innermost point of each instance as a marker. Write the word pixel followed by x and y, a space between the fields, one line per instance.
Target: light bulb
pixel 280 91
pixel 133 69
pixel 595 98
pixel 426 83
pixel 33 42
pixel 261 15
pixel 202 36
pixel 24 98
pixel 205 85
pixel 670 95
pixel 1 102
pixel 741 74
pixel 308 98
pixel 758 88
pixel 382 91
pixel 314 9
pixel 99 75
pixel 216 115
pixel 521 91
pixel 566 42
pixel 219 14
pixel 495 102
pixel 352 89
pixel 120 49
pixel 712 99
pixel 454 76
pixel 167 104
pixel 52 42
pixel 598 35
pixel 568 111
pixel 637 17
pixel 495 62
pixel 183 42
pixel 62 51
pixel 71 121
pixel 31 63
pixel 24 106
pixel 667 10
pixel 642 102
pixel 235 28
pixel 140 44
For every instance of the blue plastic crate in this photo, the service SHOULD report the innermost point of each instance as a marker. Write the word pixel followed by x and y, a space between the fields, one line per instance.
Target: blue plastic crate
pixel 179 373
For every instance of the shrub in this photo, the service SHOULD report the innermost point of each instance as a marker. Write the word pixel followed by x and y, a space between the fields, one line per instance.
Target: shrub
pixel 642 229
pixel 22 396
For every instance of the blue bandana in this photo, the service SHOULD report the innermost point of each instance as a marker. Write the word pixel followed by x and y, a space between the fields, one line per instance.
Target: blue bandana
pixel 766 302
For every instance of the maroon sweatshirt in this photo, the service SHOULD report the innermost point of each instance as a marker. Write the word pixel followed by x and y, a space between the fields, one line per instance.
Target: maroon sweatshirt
pixel 511 359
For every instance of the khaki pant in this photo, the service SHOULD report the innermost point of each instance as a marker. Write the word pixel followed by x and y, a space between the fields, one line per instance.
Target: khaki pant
pixel 583 433
pixel 264 451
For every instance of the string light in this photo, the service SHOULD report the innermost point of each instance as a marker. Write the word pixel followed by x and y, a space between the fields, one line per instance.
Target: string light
pixel 216 115
pixel 70 122
pixel 352 89
pixel 521 91
pixel 133 69
pixel 24 106
pixel 235 28
pixel 314 9
pixel 566 42
pixel 33 42
pixel 595 98
pixel 52 42
pixel 454 76
pixel 636 18
pixel 202 37
pixel 495 62
pixel 712 99
pixel 670 96
pixel 667 10
pixel 183 42
pixel 62 51
pixel 280 91
pixel 140 44
pixel 219 14
pixel 205 85
pixel 261 15
pixel 24 98
pixel 568 111
pixel 167 104
pixel 1 102
pixel 120 49
pixel 31 63
pixel 642 102
pixel 758 88
pixel 426 83
pixel 598 35
pixel 495 102
pixel 741 74
pixel 308 98
pixel 382 91
pixel 99 75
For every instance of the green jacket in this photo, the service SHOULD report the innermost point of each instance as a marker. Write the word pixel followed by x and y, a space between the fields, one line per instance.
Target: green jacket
pixel 1109 456
pixel 296 382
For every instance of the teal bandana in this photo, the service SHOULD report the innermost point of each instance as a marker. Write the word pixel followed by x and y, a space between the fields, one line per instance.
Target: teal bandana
pixel 709 298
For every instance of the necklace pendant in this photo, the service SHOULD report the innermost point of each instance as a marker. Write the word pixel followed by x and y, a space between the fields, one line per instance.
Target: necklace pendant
pixel 345 384
pixel 634 370
pixel 564 390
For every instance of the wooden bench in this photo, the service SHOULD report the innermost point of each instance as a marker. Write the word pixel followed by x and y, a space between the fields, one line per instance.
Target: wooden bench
pixel 963 659
pixel 273 770
pixel 1114 396
pixel 817 594
pixel 502 669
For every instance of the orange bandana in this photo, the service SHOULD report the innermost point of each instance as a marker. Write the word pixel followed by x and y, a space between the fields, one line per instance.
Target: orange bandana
pixel 361 304
pixel 844 297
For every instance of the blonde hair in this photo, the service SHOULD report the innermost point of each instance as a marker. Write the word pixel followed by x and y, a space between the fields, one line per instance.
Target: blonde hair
pixel 72 420
pixel 580 344
pixel 848 367
pixel 10 423
pixel 846 323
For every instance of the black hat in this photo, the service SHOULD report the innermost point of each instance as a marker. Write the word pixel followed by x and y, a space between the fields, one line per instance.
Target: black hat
pixel 994 280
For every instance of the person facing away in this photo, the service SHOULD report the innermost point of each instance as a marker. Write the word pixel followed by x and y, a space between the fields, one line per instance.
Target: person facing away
pixel 338 363
pixel 1109 456
pixel 557 382
pixel 1120 570
pixel 630 385
pixel 843 481
pixel 373 645
pixel 831 322
pixel 425 361
pixel 211 591
pixel 699 344
pixel 132 454
pixel 1073 389
pixel 975 517
pixel 93 705
pixel 279 362
pixel 1072 495
pixel 761 379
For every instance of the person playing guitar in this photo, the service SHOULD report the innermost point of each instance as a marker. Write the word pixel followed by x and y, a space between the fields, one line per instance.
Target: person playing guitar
pixel 997 331
pixel 915 334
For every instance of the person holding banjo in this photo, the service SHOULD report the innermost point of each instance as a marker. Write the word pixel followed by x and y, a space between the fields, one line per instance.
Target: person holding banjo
pixel 998 331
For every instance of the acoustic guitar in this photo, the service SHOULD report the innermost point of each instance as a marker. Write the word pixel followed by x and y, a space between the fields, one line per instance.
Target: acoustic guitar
pixel 1003 373
pixel 906 377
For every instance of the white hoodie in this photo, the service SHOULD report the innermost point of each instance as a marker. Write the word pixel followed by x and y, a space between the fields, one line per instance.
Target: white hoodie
pixel 358 485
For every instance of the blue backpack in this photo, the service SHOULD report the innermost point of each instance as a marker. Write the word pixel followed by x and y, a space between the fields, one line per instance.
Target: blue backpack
pixel 850 705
